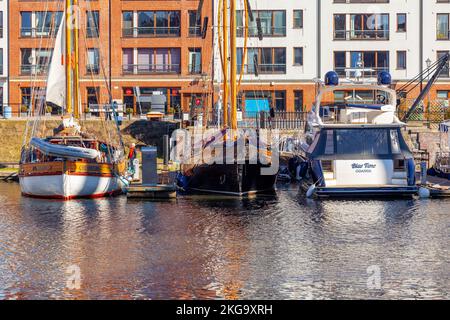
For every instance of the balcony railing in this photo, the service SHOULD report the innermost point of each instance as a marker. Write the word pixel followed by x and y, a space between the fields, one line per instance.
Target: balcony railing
pixel 345 72
pixel 144 69
pixel 138 32
pixel 38 32
pixel 443 35
pixel 264 68
pixel 267 32
pixel 361 34
pixel 195 69
pixel 34 69
pixel 92 69
pixel 195 31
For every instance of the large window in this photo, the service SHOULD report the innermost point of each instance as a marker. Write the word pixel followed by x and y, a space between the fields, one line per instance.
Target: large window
pixel 268 60
pixel 158 23
pixel 26 29
pixel 369 26
pixel 273 23
pixel 151 60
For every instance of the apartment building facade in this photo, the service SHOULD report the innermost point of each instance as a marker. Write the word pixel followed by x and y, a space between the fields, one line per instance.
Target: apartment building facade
pixel 138 48
pixel 3 54
pixel 148 48
pixel 302 40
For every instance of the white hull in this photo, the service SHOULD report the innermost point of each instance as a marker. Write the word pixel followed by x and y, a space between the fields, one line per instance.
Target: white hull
pixel 64 186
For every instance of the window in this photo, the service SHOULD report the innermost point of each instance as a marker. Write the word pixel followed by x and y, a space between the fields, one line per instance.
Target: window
pixel 401 22
pixel 151 60
pixel 26 61
pixel 298 19
pixel 273 23
pixel 92 65
pixel 340 62
pixel 280 100
pixel 340 25
pixel 401 60
pixel 298 56
pixel 443 32
pixel 92 96
pixel 92 24
pixel 194 24
pixel 298 100
pixel 25 26
pixel 195 60
pixel 1 29
pixel 369 26
pixel 362 141
pixel 127 23
pixel 444 97
pixel 270 60
pixel 1 63
pixel 158 23
pixel 445 71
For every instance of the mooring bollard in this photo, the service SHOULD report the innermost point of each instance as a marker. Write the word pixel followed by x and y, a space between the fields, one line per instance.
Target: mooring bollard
pixel 423 173
pixel 166 149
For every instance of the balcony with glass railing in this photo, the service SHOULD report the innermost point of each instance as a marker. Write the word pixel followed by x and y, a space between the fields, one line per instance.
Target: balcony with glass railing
pixel 195 31
pixel 361 35
pixel 148 69
pixel 266 32
pixel 264 68
pixel 33 69
pixel 194 69
pixel 38 32
pixel 154 32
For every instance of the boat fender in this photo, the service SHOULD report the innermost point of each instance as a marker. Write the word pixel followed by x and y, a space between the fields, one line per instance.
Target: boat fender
pixel 311 191
pixel 182 181
pixel 424 193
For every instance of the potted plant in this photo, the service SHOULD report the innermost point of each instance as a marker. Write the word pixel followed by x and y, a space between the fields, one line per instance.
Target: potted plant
pixel 24 110
pixel 130 112
pixel 48 111
pixel 87 112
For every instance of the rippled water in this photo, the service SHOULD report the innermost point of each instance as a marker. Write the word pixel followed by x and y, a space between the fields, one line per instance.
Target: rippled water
pixel 269 248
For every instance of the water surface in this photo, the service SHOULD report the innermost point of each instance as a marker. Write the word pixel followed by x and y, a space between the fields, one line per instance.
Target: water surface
pixel 283 247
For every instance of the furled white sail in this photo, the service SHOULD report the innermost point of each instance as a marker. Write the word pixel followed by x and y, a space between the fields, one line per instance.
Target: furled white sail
pixel 56 82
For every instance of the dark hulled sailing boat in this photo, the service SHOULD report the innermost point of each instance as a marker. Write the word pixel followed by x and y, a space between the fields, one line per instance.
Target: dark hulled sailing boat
pixel 243 175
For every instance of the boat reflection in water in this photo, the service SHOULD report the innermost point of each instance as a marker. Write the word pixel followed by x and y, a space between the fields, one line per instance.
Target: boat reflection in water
pixel 286 247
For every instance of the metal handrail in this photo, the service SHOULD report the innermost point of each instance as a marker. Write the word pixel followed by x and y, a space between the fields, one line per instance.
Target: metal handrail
pixel 136 32
pixel 361 34
pixel 150 68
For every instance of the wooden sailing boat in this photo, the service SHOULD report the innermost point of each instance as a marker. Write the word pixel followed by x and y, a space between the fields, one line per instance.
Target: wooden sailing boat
pixel 241 177
pixel 70 164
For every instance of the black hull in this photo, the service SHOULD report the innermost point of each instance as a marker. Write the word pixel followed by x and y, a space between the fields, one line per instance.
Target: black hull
pixel 229 179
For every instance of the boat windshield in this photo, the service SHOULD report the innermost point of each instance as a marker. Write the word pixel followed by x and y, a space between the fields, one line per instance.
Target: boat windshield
pixel 359 143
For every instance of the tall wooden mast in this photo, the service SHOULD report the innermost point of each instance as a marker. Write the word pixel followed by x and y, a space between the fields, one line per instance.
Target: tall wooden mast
pixel 233 61
pixel 225 62
pixel 72 70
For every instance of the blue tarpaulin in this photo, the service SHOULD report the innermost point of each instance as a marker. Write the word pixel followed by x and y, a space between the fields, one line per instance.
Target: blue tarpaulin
pixel 254 106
